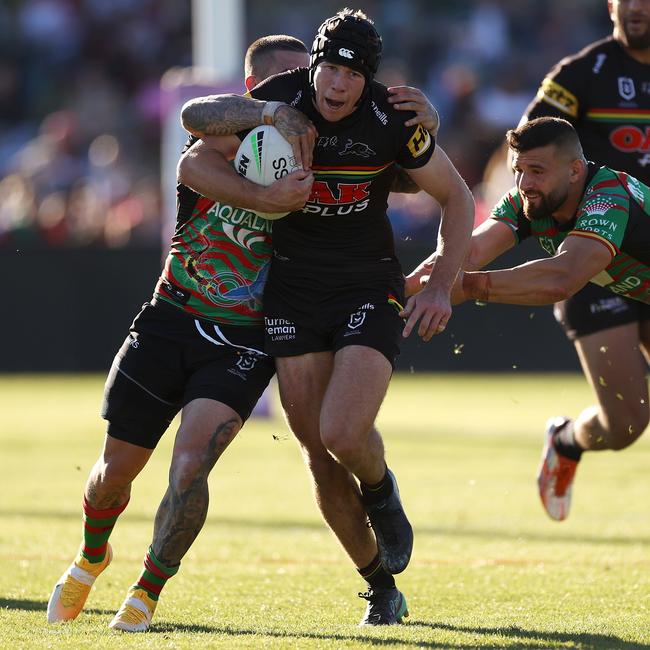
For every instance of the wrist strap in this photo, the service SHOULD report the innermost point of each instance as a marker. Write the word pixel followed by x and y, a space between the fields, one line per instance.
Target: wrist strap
pixel 268 112
pixel 476 285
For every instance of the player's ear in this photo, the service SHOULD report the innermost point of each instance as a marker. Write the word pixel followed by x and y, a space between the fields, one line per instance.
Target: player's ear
pixel 577 168
pixel 251 82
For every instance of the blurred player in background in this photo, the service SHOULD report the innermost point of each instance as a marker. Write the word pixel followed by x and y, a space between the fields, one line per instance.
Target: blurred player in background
pixel 604 91
pixel 335 283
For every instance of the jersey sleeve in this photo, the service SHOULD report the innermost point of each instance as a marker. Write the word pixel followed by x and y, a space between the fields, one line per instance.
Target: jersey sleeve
pixel 416 147
pixel 509 210
pixel 560 92
pixel 604 211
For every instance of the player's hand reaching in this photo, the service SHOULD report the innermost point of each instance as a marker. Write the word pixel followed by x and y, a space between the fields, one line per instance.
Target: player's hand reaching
pixel 431 307
pixel 407 98
pixel 419 276
pixel 288 193
pixel 299 131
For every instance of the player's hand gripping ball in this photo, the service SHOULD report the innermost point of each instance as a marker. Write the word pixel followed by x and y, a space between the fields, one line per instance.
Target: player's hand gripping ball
pixel 264 157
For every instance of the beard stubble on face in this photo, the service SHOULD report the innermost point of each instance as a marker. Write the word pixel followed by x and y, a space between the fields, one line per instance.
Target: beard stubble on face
pixel 546 205
pixel 635 41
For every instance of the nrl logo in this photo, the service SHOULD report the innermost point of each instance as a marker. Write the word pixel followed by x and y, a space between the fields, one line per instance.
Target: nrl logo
pixel 356 319
pixel 626 88
pixel 246 362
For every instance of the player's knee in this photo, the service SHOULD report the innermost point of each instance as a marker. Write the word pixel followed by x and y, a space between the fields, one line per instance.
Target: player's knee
pixel 113 472
pixel 623 436
pixel 322 465
pixel 188 468
pixel 342 441
pixel 625 429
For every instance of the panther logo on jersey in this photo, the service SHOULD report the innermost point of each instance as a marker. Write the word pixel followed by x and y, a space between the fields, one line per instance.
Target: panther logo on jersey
pixel 357 149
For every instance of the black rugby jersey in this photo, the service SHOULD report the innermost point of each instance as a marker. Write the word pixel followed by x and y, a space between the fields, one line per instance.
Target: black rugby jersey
pixel 344 222
pixel 605 94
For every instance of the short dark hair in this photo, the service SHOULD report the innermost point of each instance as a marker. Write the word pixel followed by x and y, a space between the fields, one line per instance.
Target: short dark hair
pixel 260 51
pixel 543 131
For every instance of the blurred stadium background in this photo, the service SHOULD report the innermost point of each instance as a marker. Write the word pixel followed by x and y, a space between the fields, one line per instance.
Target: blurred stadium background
pixel 85 86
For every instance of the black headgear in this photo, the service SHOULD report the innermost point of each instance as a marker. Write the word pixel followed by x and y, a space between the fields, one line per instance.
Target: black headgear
pixel 347 40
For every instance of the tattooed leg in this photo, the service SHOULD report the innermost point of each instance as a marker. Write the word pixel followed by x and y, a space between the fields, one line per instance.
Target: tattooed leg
pixel 206 430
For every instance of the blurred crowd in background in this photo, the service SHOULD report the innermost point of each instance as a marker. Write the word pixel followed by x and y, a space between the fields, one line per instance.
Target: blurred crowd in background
pixel 80 99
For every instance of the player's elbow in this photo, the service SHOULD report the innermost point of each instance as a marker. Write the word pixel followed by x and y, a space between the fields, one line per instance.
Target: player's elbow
pixel 562 285
pixel 189 116
pixel 194 116
pixel 184 170
pixel 462 195
pixel 474 259
pixel 555 293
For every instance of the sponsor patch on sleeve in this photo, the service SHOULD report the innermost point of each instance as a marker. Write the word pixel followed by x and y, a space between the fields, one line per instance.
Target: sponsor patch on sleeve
pixel 420 141
pixel 552 93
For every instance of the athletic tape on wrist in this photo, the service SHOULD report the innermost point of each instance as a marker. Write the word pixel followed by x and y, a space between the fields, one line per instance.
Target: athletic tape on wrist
pixel 268 112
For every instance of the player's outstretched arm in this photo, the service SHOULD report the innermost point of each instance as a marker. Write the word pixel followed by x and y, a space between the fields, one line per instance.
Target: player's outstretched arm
pixel 229 114
pixel 489 240
pixel 432 306
pixel 205 169
pixel 539 282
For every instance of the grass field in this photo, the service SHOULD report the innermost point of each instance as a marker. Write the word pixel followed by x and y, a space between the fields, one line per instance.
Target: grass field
pixel 489 569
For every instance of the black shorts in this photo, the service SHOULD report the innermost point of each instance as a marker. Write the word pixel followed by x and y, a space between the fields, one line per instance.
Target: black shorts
pixel 594 308
pixel 169 359
pixel 303 321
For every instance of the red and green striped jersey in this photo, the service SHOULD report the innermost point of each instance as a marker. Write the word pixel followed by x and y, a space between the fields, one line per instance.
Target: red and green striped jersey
pixel 218 261
pixel 614 210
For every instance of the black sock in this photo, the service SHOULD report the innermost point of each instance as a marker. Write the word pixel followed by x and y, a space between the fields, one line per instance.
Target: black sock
pixel 565 443
pixel 371 494
pixel 376 576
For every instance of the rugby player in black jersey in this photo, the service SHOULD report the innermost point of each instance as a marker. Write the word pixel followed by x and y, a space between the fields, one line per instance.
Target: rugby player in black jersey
pixel 332 301
pixel 604 91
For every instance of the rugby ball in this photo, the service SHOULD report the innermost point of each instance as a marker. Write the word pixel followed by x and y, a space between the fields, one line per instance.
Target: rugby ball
pixel 264 157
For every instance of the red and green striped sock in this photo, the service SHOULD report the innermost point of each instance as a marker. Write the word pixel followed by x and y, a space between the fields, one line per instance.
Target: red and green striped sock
pixel 154 575
pixel 98 526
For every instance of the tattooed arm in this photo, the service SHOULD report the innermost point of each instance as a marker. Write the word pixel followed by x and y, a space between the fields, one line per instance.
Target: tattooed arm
pixel 222 115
